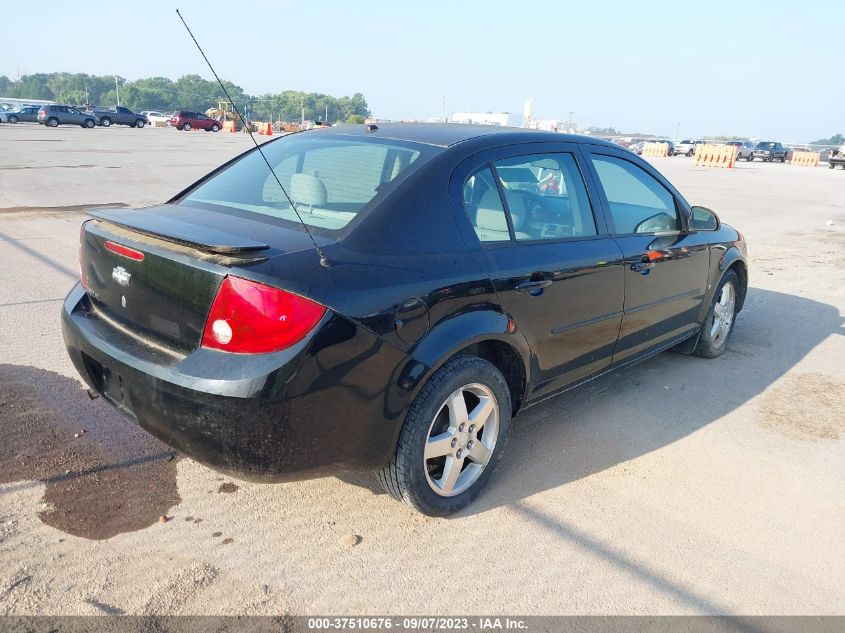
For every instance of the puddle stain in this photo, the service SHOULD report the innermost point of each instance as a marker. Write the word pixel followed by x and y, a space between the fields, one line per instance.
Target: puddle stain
pixel 115 478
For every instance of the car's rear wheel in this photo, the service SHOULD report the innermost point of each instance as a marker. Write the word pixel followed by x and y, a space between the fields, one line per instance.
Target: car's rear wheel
pixel 690 153
pixel 452 439
pixel 53 122
pixel 13 119
pixel 187 127
pixel 750 157
pixel 719 322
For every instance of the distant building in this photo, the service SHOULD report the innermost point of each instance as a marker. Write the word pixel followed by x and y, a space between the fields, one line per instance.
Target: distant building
pixel 503 119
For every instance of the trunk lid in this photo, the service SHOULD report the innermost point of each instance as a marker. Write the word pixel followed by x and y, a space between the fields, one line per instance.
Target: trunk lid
pixel 161 290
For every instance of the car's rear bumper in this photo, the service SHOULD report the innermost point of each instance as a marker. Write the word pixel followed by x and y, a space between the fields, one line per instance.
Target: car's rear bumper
pixel 329 404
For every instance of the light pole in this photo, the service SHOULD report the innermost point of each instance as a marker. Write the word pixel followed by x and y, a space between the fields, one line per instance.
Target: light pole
pixel 677 130
pixel 117 89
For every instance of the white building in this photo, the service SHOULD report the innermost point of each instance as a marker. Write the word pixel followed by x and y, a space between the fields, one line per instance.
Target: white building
pixel 503 119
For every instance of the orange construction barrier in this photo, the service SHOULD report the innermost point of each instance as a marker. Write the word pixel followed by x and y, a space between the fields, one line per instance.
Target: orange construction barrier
pixel 229 126
pixel 805 159
pixel 655 149
pixel 715 155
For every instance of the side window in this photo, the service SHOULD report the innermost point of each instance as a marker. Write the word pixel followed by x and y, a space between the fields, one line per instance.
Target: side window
pixel 546 197
pixel 484 207
pixel 638 202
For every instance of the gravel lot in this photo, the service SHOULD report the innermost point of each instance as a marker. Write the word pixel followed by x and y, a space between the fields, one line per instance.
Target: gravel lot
pixel 680 486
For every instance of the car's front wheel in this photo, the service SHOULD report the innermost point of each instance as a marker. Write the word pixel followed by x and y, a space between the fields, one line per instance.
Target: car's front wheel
pixel 215 128
pixel 139 123
pixel 452 439
pixel 89 123
pixel 719 322
pixel 13 119
pixel 750 157
pixel 105 122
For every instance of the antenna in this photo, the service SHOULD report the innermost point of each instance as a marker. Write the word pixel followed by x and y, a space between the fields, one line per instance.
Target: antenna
pixel 324 261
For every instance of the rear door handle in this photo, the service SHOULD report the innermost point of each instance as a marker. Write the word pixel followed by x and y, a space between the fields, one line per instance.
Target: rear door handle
pixel 533 287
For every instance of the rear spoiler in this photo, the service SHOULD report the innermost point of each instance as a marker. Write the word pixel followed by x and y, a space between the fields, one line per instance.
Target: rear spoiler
pixel 170 229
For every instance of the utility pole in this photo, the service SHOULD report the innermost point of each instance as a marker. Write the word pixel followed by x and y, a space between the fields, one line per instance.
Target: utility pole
pixel 87 100
pixel 117 89
pixel 677 130
pixel 443 110
pixel 302 105
pixel 326 120
pixel 570 121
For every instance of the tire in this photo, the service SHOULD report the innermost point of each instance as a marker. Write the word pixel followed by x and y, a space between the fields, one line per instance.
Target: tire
pixel 89 123
pixel 187 127
pixel 713 340
pixel 831 166
pixel 215 128
pixel 13 119
pixel 105 122
pixel 139 123
pixel 750 157
pixel 422 482
pixel 690 153
pixel 783 158
pixel 53 122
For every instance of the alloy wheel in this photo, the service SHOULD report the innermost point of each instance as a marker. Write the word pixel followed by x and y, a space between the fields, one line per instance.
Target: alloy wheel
pixel 461 440
pixel 723 315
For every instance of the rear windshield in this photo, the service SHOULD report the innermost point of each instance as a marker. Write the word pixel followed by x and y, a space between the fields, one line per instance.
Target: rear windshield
pixel 331 180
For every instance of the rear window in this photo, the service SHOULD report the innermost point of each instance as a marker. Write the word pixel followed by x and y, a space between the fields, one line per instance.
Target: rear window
pixel 330 180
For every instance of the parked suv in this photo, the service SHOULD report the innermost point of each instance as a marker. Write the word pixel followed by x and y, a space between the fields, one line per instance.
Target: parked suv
pixel 55 115
pixel 769 151
pixel 185 120
pixel 744 149
pixel 687 147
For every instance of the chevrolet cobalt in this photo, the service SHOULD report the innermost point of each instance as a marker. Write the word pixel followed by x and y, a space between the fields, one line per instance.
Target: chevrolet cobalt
pixel 389 297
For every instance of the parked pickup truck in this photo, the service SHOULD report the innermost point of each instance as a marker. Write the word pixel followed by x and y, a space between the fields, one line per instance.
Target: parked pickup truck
pixel 769 151
pixel 120 116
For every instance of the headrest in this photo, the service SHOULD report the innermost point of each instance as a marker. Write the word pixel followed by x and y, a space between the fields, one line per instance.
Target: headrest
pixel 490 215
pixel 308 189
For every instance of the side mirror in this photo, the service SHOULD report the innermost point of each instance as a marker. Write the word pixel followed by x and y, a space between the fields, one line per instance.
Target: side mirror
pixel 703 219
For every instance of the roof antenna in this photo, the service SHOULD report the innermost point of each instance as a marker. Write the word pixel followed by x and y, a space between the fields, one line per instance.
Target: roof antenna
pixel 324 261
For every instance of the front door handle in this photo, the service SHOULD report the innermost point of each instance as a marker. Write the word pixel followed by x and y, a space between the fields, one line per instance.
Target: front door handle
pixel 642 267
pixel 533 287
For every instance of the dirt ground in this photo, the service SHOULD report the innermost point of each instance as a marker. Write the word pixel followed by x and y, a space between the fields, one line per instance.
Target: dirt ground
pixel 680 486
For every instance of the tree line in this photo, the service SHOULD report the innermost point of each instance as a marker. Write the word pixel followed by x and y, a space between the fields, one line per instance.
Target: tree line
pixel 190 92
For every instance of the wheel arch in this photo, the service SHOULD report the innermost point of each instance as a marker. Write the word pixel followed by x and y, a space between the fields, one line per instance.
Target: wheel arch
pixel 487 334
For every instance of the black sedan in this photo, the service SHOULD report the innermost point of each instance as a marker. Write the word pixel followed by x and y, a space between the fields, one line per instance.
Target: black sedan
pixel 457 275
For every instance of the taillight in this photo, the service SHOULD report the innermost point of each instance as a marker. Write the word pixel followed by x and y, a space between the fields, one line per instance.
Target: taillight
pixel 124 251
pixel 251 318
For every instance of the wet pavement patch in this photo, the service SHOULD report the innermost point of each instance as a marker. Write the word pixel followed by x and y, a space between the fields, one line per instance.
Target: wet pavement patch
pixel 104 475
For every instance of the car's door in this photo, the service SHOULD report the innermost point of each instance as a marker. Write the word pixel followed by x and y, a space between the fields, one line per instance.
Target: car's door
pixel 556 270
pixel 666 264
